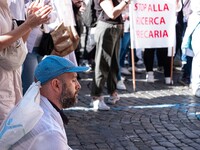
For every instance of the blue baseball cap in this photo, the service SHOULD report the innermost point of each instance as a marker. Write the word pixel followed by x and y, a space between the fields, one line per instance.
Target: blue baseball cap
pixel 52 66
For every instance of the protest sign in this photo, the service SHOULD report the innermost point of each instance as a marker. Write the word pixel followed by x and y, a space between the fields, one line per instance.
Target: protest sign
pixel 152 23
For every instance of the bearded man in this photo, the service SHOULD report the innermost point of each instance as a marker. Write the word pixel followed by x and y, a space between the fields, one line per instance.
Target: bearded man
pixel 59 89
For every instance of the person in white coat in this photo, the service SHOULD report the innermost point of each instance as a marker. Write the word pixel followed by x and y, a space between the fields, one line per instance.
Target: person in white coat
pixel 59 89
pixel 191 45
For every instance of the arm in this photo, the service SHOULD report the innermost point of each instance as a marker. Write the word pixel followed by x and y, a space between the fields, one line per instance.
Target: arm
pixel 110 10
pixel 34 19
pixel 178 5
pixel 25 37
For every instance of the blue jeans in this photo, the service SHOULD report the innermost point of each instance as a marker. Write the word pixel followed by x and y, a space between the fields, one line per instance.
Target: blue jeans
pixel 124 47
pixel 187 67
pixel 29 66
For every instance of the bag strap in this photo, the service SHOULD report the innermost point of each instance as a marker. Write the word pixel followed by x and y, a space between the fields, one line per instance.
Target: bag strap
pixel 14 23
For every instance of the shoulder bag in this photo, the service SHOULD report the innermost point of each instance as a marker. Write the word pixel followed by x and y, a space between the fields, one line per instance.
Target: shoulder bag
pixel 12 57
pixel 65 39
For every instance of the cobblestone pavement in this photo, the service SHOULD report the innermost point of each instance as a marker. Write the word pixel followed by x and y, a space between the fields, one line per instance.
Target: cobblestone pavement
pixel 154 117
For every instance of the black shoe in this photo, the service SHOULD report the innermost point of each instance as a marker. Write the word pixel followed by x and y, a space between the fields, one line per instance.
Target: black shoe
pixel 184 81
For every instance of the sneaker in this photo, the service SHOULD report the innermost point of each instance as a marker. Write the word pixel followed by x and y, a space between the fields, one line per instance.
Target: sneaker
pixel 99 104
pixel 125 71
pixel 150 77
pixel 197 93
pixel 139 62
pixel 113 99
pixel 137 70
pixel 102 106
pixel 168 81
pixel 123 78
pixel 94 104
pixel 160 69
pixel 184 81
pixel 130 69
pixel 121 85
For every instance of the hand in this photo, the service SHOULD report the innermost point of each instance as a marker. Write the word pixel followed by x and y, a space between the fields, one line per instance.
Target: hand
pixel 36 5
pixel 38 15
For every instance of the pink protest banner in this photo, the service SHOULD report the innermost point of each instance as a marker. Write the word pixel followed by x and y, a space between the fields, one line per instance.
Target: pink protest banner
pixel 152 23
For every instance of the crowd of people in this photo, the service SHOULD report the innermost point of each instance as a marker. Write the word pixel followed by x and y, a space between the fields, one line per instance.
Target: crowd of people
pixel 109 56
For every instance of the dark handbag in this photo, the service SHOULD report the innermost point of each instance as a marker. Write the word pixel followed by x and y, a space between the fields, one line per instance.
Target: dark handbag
pixel 46 44
pixel 61 41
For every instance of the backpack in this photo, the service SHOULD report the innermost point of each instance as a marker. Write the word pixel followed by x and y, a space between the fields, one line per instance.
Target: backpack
pixel 89 17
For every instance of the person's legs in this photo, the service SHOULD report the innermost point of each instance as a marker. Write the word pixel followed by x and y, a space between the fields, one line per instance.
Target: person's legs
pixel 136 58
pixel 100 63
pixel 179 34
pixel 125 42
pixel 124 47
pixel 120 83
pixel 139 54
pixel 163 53
pixel 137 61
pixel 85 53
pixel 187 64
pixel 99 73
pixel 148 62
pixel 160 65
pixel 114 69
pixel 185 79
pixel 29 65
pixel 107 63
pixel 149 58
pixel 89 47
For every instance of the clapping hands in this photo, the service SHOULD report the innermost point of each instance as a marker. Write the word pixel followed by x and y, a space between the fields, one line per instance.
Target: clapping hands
pixel 38 13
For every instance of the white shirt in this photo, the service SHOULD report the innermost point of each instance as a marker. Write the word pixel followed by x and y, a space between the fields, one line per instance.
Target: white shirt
pixel 48 134
pixel 17 8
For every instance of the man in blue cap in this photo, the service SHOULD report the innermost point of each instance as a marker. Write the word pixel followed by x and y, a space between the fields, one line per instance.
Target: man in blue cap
pixel 59 89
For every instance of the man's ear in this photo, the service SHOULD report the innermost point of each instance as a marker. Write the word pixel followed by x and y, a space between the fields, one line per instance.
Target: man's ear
pixel 56 85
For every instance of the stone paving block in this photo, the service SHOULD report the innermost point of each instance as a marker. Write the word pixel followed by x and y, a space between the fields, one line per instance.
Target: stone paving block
pixel 195 145
pixel 151 143
pixel 181 145
pixel 190 134
pixel 90 147
pixel 174 141
pixel 167 144
pixel 158 148
pixel 188 148
pixel 116 145
pixel 102 146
